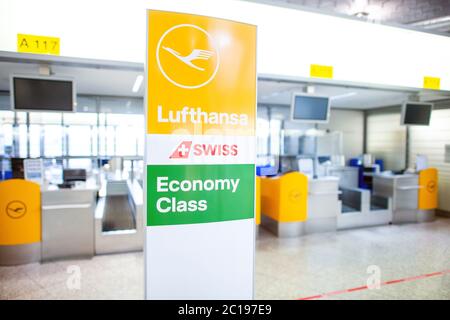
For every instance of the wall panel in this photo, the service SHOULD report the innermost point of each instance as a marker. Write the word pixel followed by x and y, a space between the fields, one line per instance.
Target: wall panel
pixel 386 139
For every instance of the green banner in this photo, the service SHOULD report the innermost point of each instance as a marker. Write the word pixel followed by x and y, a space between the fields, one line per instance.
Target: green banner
pixel 185 194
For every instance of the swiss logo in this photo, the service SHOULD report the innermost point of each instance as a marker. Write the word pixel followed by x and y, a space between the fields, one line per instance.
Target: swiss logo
pixel 187 148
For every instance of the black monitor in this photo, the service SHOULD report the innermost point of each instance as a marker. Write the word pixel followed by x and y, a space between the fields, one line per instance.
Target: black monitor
pixel 42 94
pixel 416 113
pixel 72 175
pixel 310 108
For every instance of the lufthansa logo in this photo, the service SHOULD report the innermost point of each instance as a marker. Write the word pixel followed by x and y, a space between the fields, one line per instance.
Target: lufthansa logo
pixel 187 56
pixel 295 195
pixel 431 186
pixel 16 209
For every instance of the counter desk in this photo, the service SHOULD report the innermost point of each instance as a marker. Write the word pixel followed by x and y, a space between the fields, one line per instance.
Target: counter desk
pixel 68 222
pixel 323 205
pixel 126 240
pixel 414 196
pixel 293 205
pixel 45 223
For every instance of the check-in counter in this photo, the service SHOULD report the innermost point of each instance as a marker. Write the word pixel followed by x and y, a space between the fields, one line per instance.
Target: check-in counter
pixel 292 205
pixel 323 205
pixel 127 240
pixel 414 196
pixel 68 223
pixel 361 208
pixel 284 204
pixel 348 176
pixel 403 189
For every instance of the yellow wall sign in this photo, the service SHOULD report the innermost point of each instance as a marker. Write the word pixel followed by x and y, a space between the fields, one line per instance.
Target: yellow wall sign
pixel 432 83
pixel 319 71
pixel 191 65
pixel 27 43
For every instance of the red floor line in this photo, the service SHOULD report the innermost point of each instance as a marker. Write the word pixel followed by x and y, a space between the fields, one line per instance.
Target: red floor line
pixel 327 294
pixel 357 289
pixel 433 274
pixel 333 293
pixel 313 297
pixel 415 278
pixel 393 281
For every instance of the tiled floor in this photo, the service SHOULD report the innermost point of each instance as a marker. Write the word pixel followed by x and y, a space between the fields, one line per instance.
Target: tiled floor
pixel 322 263
pixel 285 268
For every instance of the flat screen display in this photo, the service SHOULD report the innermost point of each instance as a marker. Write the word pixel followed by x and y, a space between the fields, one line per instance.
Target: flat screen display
pixel 42 94
pixel 74 175
pixel 417 113
pixel 310 108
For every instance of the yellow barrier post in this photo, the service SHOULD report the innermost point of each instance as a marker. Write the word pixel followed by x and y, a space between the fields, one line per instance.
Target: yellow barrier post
pixel 428 193
pixel 284 203
pixel 258 201
pixel 20 222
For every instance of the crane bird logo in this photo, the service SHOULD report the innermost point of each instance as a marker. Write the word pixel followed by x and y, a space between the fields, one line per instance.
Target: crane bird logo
pixel 196 54
pixel 16 209
pixel 188 56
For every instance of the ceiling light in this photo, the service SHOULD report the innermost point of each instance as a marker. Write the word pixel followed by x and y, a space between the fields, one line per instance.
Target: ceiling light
pixel 138 83
pixel 361 14
pixel 343 96
pixel 359 8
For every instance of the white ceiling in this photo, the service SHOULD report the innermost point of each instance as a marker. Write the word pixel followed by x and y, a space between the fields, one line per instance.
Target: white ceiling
pixel 271 92
pixel 120 81
pixel 432 15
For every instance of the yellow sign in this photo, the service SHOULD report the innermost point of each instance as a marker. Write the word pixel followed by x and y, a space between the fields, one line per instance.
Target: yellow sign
pixel 258 200
pixel 27 43
pixel 432 83
pixel 20 212
pixel 428 193
pixel 191 63
pixel 285 198
pixel 319 71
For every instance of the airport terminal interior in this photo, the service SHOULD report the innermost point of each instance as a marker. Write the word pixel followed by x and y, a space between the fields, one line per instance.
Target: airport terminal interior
pixel 352 178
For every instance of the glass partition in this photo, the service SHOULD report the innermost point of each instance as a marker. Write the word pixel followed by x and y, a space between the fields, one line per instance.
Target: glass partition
pixel 89 132
pixel 53 140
